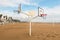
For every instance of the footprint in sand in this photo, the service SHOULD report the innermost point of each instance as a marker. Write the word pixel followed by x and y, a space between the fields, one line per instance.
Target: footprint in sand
pixel 51 35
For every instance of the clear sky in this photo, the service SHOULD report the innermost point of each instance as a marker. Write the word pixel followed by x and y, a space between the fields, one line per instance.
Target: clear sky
pixel 51 7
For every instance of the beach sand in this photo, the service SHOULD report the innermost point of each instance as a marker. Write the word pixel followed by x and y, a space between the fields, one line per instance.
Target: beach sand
pixel 20 31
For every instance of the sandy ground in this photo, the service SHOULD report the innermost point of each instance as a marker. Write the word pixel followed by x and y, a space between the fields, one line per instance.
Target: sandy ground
pixel 20 31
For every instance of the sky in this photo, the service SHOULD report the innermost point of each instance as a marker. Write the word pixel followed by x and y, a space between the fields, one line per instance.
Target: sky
pixel 51 8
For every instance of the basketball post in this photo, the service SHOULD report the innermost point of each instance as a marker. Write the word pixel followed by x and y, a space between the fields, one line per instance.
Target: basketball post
pixel 31 17
pixel 31 14
pixel 30 27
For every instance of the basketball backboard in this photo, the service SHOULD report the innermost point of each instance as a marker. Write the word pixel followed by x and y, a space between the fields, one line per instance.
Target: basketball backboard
pixel 41 13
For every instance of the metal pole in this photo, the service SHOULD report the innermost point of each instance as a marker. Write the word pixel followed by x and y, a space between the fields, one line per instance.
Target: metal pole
pixel 30 27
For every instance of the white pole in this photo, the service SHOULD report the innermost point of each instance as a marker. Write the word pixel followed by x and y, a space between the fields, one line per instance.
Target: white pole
pixel 30 27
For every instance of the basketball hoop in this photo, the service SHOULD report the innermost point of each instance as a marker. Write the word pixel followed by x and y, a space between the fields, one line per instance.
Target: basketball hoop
pixel 41 13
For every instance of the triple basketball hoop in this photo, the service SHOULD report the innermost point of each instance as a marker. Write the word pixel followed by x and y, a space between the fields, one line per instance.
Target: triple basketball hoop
pixel 31 14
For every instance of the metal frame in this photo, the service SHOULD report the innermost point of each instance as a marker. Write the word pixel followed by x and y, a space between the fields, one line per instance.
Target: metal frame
pixel 30 23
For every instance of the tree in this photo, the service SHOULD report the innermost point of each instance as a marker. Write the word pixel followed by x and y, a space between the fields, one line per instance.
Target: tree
pixel 0 16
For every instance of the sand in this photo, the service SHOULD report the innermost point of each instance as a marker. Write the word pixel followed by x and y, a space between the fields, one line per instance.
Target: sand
pixel 20 31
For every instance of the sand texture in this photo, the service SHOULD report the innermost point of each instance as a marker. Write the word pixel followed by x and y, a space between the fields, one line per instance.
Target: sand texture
pixel 20 31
